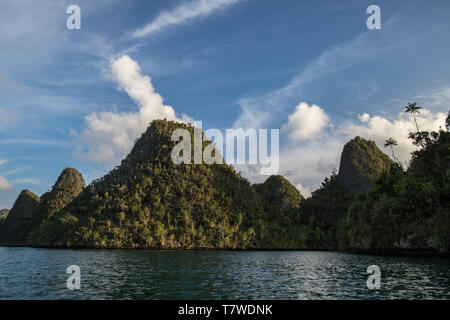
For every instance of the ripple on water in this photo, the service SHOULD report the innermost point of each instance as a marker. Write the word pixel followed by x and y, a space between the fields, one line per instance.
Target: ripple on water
pixel 28 273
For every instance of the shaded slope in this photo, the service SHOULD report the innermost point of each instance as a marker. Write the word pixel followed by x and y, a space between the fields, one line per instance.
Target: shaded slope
pixel 407 210
pixel 13 230
pixel 362 163
pixel 324 215
pixel 278 191
pixel 30 212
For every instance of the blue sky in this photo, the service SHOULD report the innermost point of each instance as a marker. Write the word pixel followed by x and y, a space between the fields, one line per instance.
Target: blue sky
pixel 228 63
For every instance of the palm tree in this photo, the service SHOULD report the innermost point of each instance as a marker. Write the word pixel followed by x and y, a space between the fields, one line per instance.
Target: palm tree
pixel 447 121
pixel 390 143
pixel 413 108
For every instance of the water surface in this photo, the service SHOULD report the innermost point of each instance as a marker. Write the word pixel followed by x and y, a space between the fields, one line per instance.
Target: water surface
pixel 28 273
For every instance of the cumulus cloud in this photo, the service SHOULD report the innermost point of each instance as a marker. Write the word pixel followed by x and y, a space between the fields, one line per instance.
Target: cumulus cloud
pixel 379 129
pixel 110 135
pixel 306 122
pixel 308 162
pixel 184 13
pixel 5 185
pixel 305 163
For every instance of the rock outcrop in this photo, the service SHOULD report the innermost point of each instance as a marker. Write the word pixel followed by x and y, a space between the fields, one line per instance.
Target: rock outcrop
pixel 30 211
pixel 68 185
pixel 278 191
pixel 4 214
pixel 361 165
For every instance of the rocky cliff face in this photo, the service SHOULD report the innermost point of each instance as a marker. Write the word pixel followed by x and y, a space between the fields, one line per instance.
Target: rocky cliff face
pixel 278 191
pixel 361 164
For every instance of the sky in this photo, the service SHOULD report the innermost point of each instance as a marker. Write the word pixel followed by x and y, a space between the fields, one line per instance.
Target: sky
pixel 80 98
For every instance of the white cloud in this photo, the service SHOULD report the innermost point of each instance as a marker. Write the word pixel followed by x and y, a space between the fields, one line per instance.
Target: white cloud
pixel 305 191
pixel 365 117
pixel 184 13
pixel 5 185
pixel 379 129
pixel 110 135
pixel 3 161
pixel 308 163
pixel 306 122
pixel 305 163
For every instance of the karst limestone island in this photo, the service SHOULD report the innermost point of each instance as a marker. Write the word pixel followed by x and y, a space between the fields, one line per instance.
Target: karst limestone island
pixel 371 205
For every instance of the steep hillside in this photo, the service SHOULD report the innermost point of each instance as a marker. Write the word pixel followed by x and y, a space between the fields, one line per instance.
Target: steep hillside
pixel 362 163
pixel 24 207
pixel 278 191
pixel 68 186
pixel 30 211
pixel 407 210
pixel 150 202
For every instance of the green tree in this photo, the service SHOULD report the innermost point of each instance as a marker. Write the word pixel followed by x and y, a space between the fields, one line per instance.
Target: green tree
pixel 447 121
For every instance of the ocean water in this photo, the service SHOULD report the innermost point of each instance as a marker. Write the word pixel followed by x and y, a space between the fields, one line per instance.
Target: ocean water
pixel 29 273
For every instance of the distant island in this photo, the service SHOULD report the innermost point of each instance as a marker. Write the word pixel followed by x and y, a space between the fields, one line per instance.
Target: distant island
pixel 371 205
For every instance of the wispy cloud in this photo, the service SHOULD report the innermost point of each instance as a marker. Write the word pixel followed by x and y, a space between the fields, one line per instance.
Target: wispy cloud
pixel 33 141
pixel 33 181
pixel 184 13
pixel 16 171
pixel 439 98
pixel 5 185
pixel 257 111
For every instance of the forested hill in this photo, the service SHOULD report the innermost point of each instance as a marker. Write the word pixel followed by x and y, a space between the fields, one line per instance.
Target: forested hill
pixel 150 202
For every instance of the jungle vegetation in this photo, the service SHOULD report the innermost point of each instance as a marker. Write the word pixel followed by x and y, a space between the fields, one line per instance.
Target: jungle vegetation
pixel 147 201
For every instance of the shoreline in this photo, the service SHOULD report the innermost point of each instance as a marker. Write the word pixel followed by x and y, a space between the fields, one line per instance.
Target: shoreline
pixel 389 253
